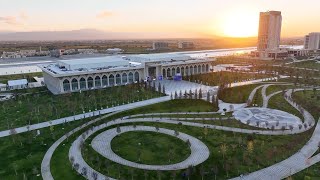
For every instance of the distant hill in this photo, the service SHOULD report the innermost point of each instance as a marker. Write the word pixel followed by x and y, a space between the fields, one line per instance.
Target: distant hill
pixel 85 34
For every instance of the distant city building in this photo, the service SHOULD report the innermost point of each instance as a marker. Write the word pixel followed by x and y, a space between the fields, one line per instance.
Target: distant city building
pixel 56 52
pixel 185 45
pixel 269 30
pixel 312 41
pixel 87 51
pixel 67 76
pixel 114 51
pixel 160 45
pixel 19 54
pixel 269 36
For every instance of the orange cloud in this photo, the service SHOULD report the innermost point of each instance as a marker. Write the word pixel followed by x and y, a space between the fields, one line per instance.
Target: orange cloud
pixel 104 14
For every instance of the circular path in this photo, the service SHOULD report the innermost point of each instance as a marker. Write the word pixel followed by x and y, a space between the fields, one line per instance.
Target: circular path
pixel 102 144
pixel 266 117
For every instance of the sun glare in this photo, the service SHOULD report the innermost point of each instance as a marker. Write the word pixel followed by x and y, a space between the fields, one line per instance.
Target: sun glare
pixel 240 25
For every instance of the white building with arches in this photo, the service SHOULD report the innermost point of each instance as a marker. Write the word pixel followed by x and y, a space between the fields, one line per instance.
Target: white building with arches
pixel 74 75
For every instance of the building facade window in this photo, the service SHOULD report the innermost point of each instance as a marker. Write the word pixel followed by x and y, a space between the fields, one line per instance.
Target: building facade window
pixel 111 80
pixel 136 77
pixel 130 77
pixel 97 81
pixel 74 84
pixel 124 78
pixel 104 81
pixel 83 83
pixel 118 79
pixel 66 85
pixel 90 82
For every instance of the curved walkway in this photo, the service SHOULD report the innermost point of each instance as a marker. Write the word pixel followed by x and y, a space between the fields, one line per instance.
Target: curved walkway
pixel 102 144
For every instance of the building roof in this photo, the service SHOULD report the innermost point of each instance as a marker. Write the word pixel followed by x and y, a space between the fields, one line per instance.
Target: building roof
pixel 92 63
pixel 18 82
pixel 158 57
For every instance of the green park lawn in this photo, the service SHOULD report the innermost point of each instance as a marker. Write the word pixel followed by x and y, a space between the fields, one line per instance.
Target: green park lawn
pixel 224 77
pixel 310 100
pixel 150 148
pixel 238 94
pixel 307 64
pixel 278 102
pixel 42 105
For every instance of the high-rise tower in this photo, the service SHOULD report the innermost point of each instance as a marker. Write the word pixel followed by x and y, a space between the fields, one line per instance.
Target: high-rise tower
pixel 269 31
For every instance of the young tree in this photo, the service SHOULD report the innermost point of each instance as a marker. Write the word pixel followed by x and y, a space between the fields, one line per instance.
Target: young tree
pixel 200 94
pixel 163 90
pixel 208 96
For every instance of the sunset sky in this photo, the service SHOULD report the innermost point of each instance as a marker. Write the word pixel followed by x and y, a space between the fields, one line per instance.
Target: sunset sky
pixel 198 18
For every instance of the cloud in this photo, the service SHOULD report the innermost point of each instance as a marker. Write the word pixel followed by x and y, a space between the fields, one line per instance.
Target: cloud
pixel 104 14
pixel 11 20
pixel 23 16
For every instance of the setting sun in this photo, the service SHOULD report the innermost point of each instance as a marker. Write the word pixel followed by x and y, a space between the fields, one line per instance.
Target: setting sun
pixel 240 25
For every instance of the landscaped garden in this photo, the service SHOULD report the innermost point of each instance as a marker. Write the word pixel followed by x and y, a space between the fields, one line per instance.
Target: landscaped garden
pixel 232 154
pixel 41 105
pixel 224 77
pixel 307 64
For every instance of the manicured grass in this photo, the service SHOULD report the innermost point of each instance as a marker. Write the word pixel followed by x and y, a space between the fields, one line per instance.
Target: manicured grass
pixel 276 88
pixel 238 94
pixel 224 77
pixel 309 100
pixel 228 123
pixel 29 77
pixel 24 152
pixel 43 106
pixel 150 148
pixel 307 64
pixel 278 102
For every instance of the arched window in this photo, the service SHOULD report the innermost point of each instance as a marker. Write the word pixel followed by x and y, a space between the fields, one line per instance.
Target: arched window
pixel 207 68
pixel 104 81
pixel 195 70
pixel 203 68
pixel 90 82
pixel 124 78
pixel 164 73
pixel 118 79
pixel 74 84
pixel 83 83
pixel 182 71
pixel 187 71
pixel 199 69
pixel 97 81
pixel 111 80
pixel 130 77
pixel 191 70
pixel 168 72
pixel 136 77
pixel 173 71
pixel 178 70
pixel 66 85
